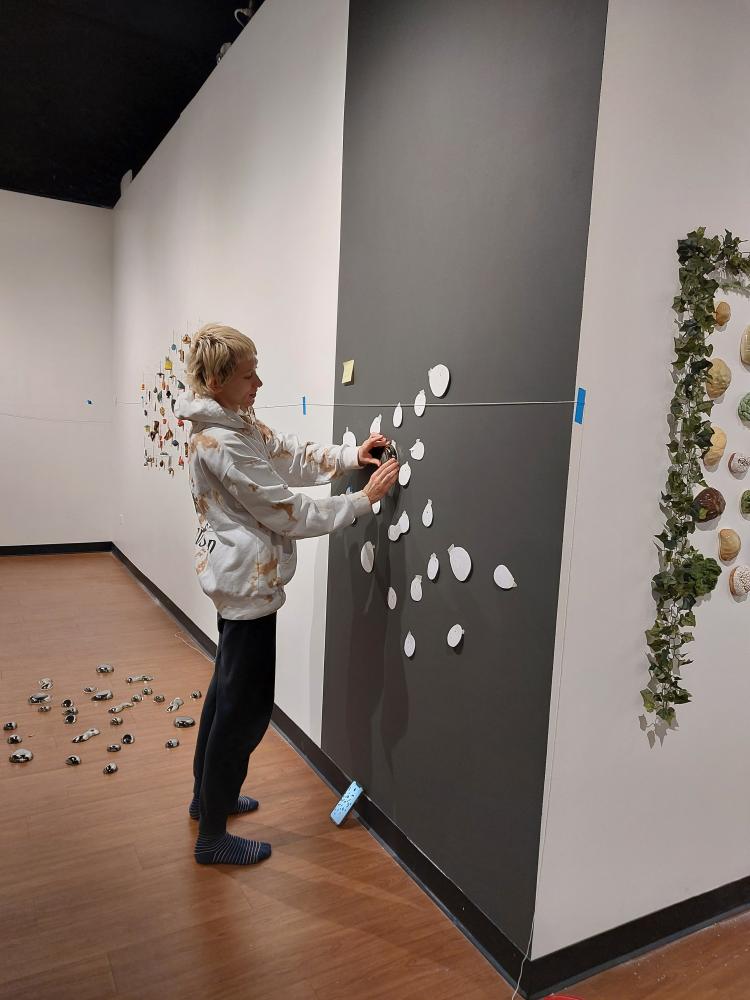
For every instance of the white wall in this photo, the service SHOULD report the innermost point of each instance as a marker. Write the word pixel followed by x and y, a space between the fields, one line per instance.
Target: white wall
pixel 631 829
pixel 56 349
pixel 235 219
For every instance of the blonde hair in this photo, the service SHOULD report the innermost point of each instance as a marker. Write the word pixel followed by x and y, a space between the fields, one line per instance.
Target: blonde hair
pixel 215 353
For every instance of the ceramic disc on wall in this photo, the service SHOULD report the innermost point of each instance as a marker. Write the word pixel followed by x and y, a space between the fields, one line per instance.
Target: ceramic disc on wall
pixel 404 474
pixel 460 562
pixel 410 645
pixel 427 514
pixel 417 451
pixel 394 533
pixel 440 379
pixel 367 557
pixel 403 523
pixel 398 416
pixel 455 636
pixel 375 425
pixel 504 578
pixel 416 589
pixel 349 439
pixel 392 598
pixel 420 402
pixel 433 567
pixel 376 507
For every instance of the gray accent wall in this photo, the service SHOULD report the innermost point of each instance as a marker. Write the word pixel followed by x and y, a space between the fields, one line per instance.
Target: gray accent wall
pixel 468 155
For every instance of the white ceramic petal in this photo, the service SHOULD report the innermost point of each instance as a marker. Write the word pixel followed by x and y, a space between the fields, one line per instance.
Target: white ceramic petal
pixel 367 557
pixel 416 589
pixel 349 438
pixel 403 523
pixel 392 598
pixel 376 507
pixel 427 514
pixel 460 562
pixel 417 451
pixel 375 425
pixel 504 578
pixel 410 644
pixel 398 416
pixel 440 379
pixel 433 567
pixel 420 402
pixel 394 533
pixel 404 474
pixel 455 636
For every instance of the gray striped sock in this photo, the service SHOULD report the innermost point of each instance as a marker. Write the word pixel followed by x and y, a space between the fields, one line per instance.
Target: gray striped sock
pixel 226 849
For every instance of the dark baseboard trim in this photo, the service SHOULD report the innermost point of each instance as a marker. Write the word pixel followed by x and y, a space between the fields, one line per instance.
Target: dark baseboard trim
pixel 54 550
pixel 543 975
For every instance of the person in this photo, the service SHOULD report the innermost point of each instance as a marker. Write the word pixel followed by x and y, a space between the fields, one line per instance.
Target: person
pixel 248 520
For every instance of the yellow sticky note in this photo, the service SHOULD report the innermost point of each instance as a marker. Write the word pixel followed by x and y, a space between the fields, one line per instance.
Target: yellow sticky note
pixel 348 375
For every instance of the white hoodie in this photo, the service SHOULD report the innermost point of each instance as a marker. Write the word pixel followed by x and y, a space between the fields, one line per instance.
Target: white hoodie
pixel 248 517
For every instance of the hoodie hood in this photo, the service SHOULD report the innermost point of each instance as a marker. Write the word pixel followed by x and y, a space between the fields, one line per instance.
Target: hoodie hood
pixel 206 411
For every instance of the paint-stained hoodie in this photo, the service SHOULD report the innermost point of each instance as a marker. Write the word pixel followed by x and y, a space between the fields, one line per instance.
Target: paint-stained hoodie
pixel 248 518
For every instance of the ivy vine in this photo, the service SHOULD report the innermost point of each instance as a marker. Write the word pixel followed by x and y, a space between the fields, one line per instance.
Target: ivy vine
pixel 707 264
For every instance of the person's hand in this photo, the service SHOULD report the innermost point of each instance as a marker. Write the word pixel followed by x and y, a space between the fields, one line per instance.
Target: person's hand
pixel 381 481
pixel 364 452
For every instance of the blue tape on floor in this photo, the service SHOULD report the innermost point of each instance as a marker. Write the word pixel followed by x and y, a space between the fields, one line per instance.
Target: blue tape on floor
pixel 580 404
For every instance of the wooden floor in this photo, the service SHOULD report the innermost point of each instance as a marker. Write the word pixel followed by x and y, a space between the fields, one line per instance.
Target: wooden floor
pixel 102 898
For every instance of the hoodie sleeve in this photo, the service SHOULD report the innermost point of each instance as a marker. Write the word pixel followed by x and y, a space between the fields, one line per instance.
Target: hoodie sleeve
pixel 262 492
pixel 307 464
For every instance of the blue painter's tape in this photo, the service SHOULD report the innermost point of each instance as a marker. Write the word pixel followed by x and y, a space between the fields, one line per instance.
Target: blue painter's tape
pixel 304 406
pixel 580 404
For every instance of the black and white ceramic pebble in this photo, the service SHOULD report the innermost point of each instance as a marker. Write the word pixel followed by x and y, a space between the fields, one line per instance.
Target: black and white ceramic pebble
pixel 38 699
pixel 8 726
pixel 21 756
pixel 82 737
pixel 114 748
pixel 171 744
pixel 116 721
pixel 14 738
pixel 90 688
pixel 73 760
pixel 70 711
pixel 137 697
pixel 196 694
pixel 174 704
pixel 110 768
pixel 148 690
pixel 70 718
pixel 184 722
pixel 66 703
pixel 159 698
pixel 127 738
pixel 102 696
pixel 44 708
pixel 45 683
pixel 116 709
pixel 105 668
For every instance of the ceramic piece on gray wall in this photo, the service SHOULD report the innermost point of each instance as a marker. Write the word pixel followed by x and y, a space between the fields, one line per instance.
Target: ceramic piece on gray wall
pixel 46 683
pixel 21 756
pixel 410 645
pixel 349 439
pixel 460 562
pixel 40 698
pixel 172 743
pixel 427 514
pixel 416 588
pixel 440 379
pixel 455 637
pixel 105 695
pixel 433 567
pixel 127 738
pixel 403 523
pixel 504 578
pixel 9 726
pixel 392 598
pixel 398 416
pixel 117 720
pixel 196 694
pixel 375 425
pixel 73 760
pixel 420 402
pixel 184 722
pixel 367 557
pixel 417 451
pixel 82 737
pixel 404 474
pixel 376 507
pixel 14 739
pixel 110 768
pixel 105 668
pixel 174 704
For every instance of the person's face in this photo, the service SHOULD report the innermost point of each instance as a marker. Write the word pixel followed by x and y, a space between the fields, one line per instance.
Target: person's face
pixel 239 392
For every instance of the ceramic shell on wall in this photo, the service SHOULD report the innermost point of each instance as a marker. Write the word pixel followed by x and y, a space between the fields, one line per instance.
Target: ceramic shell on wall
pixel 712 455
pixel 730 544
pixel 718 378
pixel 745 346
pixel 722 313
pixel 708 504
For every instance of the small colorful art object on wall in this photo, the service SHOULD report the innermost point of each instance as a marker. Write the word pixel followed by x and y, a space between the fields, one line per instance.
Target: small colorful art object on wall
pixel 739 581
pixel 708 504
pixel 730 544
pixel 745 504
pixel 722 313
pixel 712 455
pixel 718 378
pixel 739 463
pixel 743 407
pixel 745 346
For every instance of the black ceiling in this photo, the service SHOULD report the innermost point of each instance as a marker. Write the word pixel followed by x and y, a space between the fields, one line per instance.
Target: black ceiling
pixel 91 87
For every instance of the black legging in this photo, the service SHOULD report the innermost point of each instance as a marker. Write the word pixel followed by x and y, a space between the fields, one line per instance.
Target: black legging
pixel 236 713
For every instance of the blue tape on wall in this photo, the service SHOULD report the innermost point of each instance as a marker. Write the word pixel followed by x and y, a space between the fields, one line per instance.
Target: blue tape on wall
pixel 580 403
pixel 304 406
